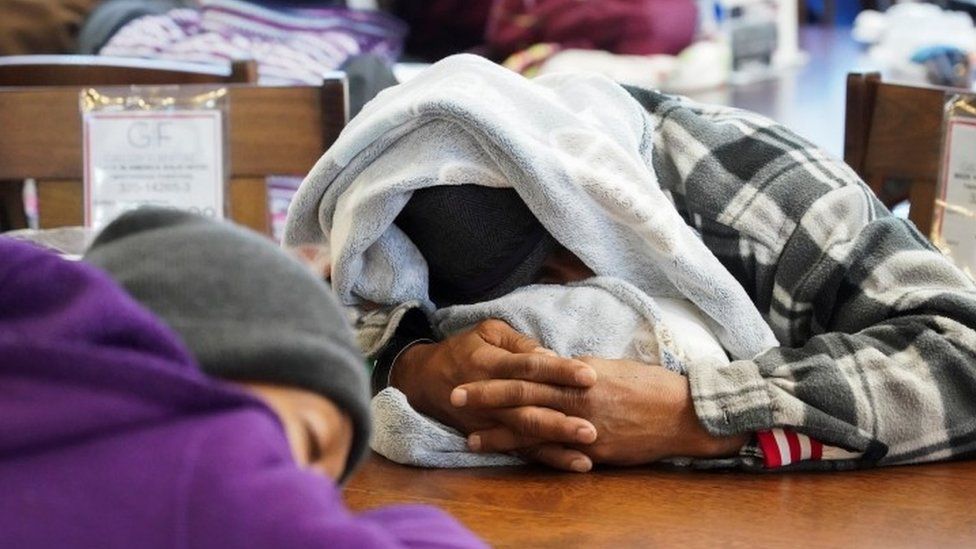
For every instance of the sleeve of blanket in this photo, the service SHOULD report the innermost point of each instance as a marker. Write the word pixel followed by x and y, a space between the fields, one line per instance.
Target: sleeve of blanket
pixel 784 447
pixel 376 330
pixel 884 365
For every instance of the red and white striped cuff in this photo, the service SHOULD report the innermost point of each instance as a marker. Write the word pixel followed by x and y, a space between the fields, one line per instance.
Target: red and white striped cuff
pixel 782 447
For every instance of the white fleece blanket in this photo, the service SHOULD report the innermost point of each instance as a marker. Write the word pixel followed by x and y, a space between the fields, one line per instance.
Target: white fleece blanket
pixel 576 148
pixel 601 316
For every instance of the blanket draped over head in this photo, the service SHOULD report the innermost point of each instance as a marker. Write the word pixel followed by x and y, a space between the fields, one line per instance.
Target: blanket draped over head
pixel 577 149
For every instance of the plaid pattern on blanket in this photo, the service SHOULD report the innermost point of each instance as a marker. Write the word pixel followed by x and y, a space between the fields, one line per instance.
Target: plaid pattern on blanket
pixel 879 353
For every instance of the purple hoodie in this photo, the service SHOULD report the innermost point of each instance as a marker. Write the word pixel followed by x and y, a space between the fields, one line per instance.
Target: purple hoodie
pixel 111 437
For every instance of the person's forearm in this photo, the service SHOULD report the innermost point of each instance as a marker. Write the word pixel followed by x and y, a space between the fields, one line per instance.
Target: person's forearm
pixel 640 414
pixel 407 374
pixel 412 328
pixel 696 441
pixel 884 346
pixel 878 355
pixel 856 392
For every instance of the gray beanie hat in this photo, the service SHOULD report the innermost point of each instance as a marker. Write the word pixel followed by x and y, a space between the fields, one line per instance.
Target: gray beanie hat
pixel 244 308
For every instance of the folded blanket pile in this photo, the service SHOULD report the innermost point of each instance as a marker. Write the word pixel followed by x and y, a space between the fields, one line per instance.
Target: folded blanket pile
pixel 291 45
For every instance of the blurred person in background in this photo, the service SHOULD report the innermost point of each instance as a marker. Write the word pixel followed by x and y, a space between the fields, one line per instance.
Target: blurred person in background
pixel 42 26
pixel 500 28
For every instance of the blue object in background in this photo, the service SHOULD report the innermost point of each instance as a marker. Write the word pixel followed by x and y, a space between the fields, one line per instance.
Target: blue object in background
pixel 945 65
pixel 844 11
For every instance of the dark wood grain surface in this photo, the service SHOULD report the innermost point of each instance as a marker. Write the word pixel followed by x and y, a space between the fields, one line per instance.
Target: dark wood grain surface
pixel 916 506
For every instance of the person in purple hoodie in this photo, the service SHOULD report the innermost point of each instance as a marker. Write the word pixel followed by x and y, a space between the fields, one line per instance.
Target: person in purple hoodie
pixel 112 434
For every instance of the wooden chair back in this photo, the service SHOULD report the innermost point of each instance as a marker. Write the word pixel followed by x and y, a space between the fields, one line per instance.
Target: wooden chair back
pixel 892 139
pixel 96 70
pixel 273 131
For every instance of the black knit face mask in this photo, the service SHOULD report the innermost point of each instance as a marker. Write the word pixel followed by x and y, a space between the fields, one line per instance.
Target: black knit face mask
pixel 479 242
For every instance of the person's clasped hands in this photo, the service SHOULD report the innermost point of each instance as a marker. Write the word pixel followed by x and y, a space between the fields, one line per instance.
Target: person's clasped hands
pixel 430 374
pixel 511 395
pixel 505 390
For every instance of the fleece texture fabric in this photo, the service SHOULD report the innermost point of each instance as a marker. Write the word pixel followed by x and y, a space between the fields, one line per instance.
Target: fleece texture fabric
pixel 586 175
pixel 875 324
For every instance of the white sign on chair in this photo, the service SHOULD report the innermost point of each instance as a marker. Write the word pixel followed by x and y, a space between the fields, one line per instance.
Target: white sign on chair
pixel 169 157
pixel 955 229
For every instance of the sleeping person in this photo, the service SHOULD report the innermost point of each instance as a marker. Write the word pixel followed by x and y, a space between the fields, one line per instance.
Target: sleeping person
pixel 222 422
pixel 850 338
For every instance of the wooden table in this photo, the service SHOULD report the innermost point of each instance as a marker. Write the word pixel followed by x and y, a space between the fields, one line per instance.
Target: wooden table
pixel 918 506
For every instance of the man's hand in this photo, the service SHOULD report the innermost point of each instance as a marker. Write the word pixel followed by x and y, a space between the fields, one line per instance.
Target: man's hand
pixel 641 413
pixel 492 350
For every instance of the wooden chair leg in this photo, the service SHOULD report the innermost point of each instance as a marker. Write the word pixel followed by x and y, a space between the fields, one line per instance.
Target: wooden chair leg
pixel 922 206
pixel 862 90
pixel 60 203
pixel 244 71
pixel 877 184
pixel 249 203
pixel 12 215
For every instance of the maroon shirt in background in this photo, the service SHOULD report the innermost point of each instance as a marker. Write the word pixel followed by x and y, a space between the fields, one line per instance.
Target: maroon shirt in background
pixel 633 27
pixel 499 28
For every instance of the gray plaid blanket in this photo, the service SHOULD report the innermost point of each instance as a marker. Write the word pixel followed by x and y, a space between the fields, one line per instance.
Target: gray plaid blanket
pixel 879 351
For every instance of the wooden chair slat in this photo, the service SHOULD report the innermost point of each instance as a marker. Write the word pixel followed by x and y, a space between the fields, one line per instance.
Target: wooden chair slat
pixel 894 132
pixel 272 131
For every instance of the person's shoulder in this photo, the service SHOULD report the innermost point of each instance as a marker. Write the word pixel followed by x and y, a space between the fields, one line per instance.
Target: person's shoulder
pixel 253 434
pixel 233 448
pixel 244 489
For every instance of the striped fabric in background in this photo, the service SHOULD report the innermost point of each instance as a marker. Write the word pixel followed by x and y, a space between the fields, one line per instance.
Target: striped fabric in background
pixel 291 46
